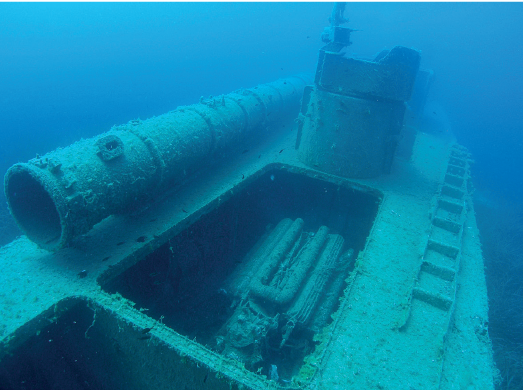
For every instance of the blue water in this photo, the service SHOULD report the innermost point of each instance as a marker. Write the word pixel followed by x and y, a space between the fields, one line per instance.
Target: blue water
pixel 69 71
pixel 73 70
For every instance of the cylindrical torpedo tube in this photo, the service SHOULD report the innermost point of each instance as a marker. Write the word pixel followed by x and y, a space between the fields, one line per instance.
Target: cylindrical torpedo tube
pixel 64 193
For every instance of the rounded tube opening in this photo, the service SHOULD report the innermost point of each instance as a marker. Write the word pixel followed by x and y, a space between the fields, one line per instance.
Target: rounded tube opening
pixel 33 208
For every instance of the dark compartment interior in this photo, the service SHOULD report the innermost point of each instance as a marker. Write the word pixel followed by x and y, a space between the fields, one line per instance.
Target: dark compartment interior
pixel 182 282
pixel 83 346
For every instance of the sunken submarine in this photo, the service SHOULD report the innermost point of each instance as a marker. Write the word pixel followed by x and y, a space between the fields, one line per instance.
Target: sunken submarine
pixel 339 249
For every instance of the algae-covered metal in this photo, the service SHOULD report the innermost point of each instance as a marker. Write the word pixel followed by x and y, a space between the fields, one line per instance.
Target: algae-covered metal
pixel 58 196
pixel 312 259
pixel 351 119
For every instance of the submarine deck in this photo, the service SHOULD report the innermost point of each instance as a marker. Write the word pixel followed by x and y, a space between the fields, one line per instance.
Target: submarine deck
pixel 413 315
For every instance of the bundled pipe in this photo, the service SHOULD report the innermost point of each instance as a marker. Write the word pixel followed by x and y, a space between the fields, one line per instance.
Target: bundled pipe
pixel 63 194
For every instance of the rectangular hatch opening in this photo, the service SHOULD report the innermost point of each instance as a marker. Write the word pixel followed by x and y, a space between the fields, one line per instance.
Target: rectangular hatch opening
pixel 257 277
pixel 77 344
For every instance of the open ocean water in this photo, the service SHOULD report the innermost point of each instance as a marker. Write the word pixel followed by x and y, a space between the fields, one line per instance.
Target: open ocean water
pixel 72 70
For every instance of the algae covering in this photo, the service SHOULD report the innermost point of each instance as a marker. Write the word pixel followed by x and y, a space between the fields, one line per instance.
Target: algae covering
pixel 61 195
pixel 336 248
pixel 157 307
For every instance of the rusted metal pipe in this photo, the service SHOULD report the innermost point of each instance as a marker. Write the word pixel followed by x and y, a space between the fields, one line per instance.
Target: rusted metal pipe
pixel 63 194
